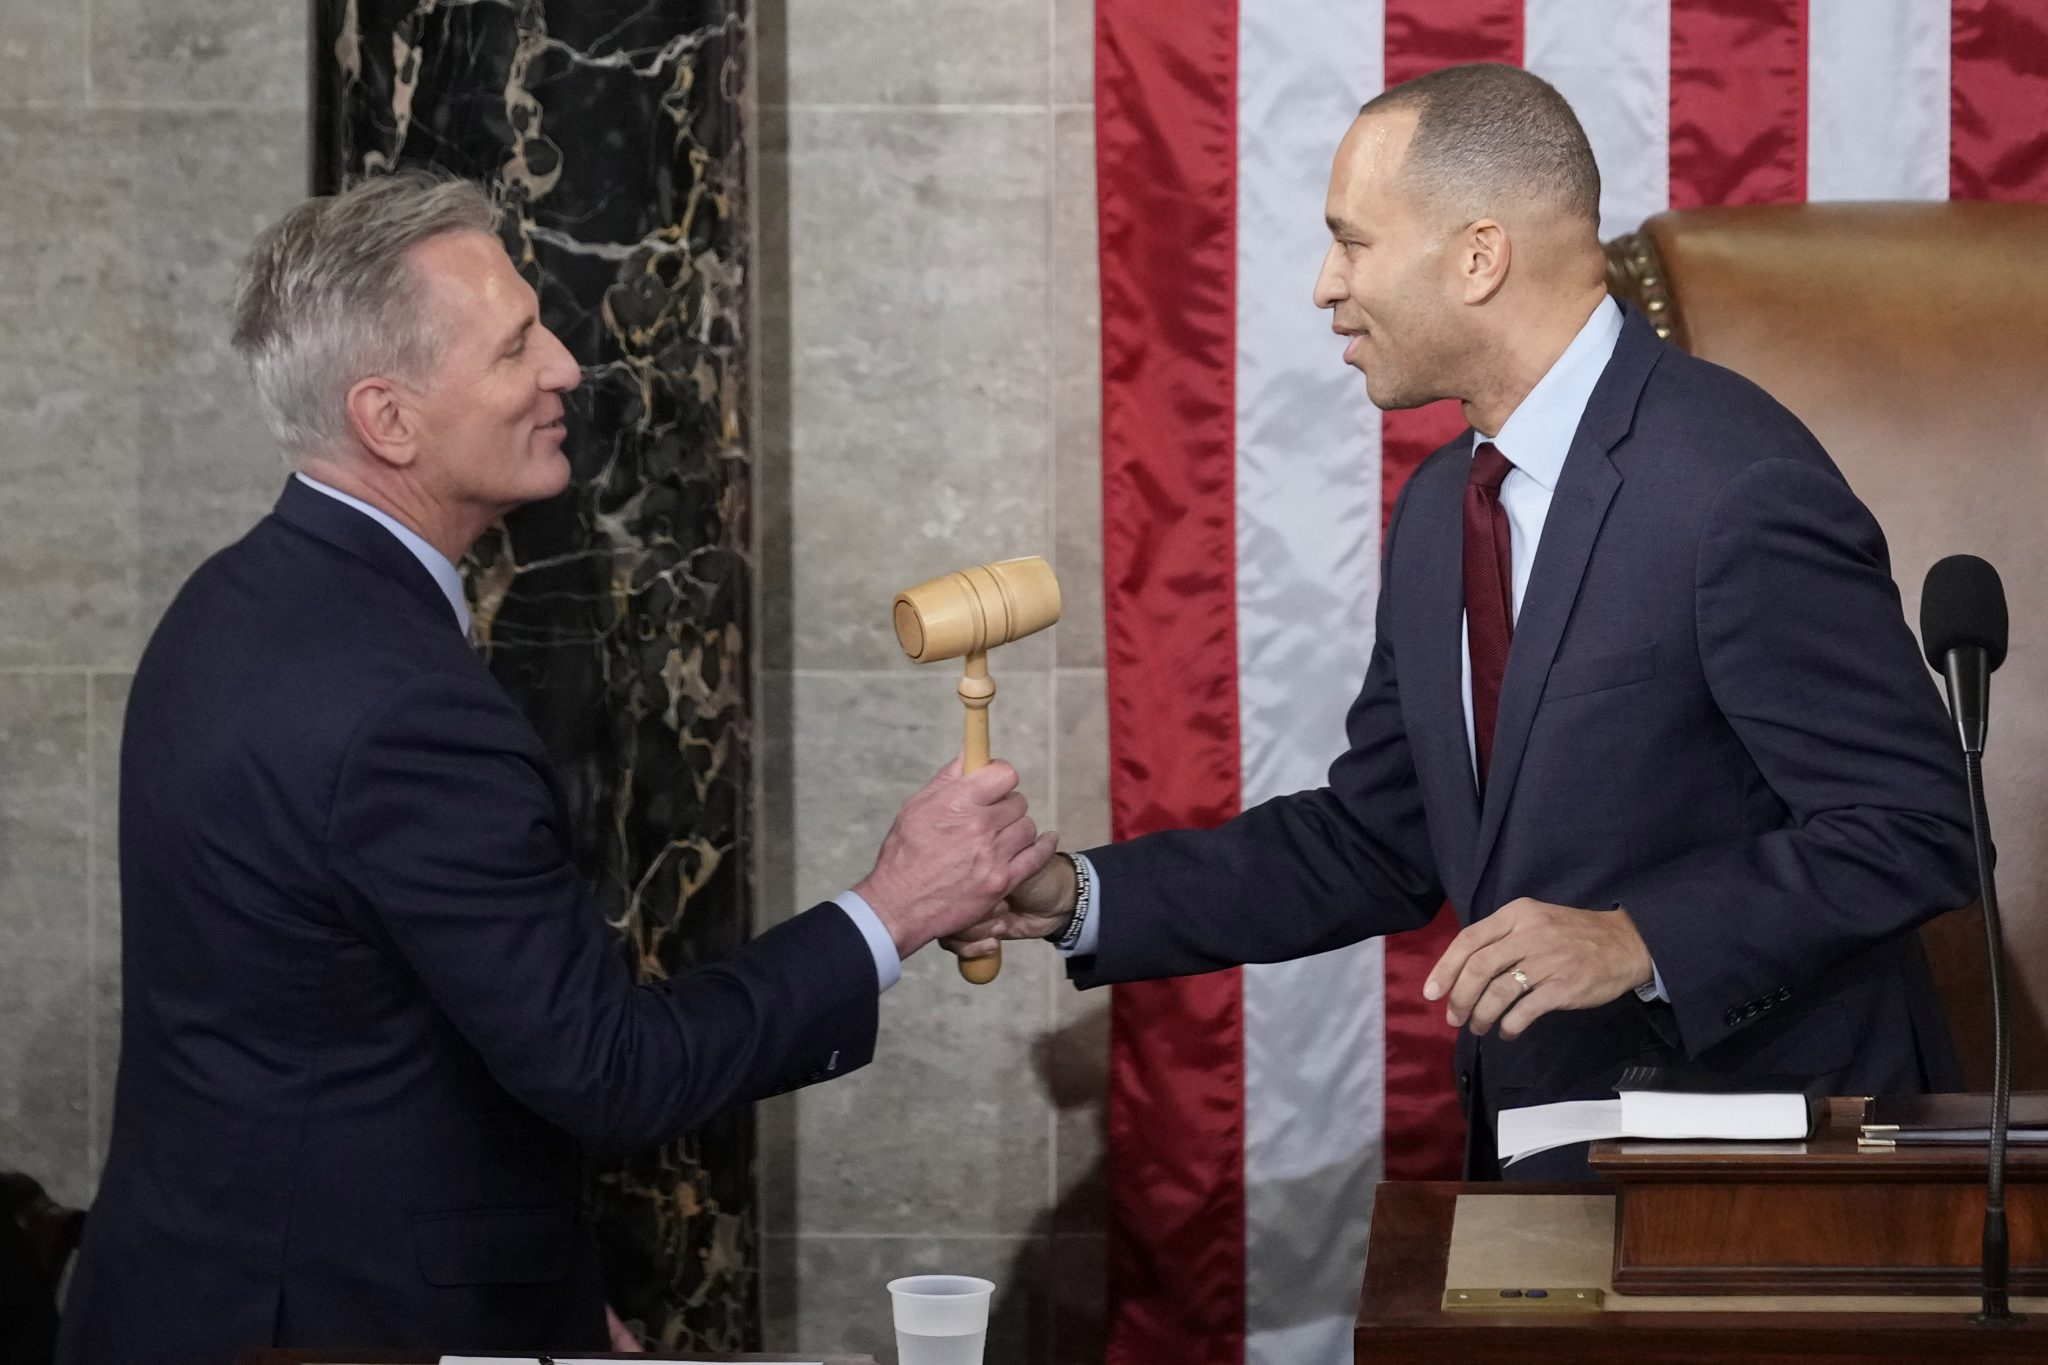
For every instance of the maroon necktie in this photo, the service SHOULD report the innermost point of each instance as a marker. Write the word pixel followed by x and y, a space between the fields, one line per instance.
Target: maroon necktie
pixel 1489 594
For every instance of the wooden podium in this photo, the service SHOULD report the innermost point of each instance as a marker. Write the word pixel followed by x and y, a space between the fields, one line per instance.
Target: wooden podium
pixel 1562 1235
pixel 1812 1251
pixel 1823 1216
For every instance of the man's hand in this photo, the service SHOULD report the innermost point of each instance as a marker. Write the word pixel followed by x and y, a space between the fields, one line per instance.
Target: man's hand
pixel 1042 903
pixel 1571 959
pixel 956 849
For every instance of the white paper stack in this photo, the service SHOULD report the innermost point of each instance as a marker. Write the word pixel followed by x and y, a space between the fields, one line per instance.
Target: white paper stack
pixel 1662 1103
pixel 1540 1127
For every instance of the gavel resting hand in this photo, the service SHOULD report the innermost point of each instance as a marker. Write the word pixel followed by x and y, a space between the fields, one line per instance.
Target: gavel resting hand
pixel 965 615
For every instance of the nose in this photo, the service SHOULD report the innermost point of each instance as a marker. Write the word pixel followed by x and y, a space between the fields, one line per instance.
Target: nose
pixel 1329 291
pixel 559 371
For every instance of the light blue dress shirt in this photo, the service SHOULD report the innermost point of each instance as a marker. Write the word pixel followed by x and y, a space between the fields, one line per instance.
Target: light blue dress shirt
pixel 1535 439
pixel 888 968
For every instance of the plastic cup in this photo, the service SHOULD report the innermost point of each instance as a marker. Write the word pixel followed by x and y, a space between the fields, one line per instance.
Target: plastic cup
pixel 940 1319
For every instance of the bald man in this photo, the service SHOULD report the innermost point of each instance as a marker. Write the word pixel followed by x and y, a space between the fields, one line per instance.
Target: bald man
pixel 1641 699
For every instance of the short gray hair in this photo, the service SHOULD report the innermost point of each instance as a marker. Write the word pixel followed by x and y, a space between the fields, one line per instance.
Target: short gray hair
pixel 329 297
pixel 1487 134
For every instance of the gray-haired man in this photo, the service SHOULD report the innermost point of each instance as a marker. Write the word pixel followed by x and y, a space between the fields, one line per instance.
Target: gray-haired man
pixel 369 1009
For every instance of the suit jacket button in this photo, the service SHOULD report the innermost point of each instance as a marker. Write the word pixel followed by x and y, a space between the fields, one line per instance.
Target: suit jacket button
pixel 1730 1017
pixel 1784 993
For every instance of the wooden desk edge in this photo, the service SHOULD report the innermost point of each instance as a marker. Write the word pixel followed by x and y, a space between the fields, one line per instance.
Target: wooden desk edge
pixel 1832 1153
pixel 1401 1310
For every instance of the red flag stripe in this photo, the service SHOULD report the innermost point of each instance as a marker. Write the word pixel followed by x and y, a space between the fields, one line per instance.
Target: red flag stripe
pixel 1998 100
pixel 1738 102
pixel 1425 35
pixel 1422 1119
pixel 1166 164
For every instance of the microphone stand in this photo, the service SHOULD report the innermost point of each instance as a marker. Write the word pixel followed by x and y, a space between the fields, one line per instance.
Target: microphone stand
pixel 1995 1310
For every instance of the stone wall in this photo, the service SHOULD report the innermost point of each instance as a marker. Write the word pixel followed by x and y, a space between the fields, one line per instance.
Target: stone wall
pixel 929 377
pixel 142 144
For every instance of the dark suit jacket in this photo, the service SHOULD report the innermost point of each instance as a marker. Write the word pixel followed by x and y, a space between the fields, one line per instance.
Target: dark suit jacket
pixel 370 1010
pixel 1713 715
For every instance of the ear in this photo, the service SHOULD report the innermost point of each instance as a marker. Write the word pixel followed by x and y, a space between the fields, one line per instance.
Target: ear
pixel 383 421
pixel 1483 259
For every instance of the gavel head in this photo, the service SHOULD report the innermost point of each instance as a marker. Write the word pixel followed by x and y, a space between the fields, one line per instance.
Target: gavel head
pixel 976 609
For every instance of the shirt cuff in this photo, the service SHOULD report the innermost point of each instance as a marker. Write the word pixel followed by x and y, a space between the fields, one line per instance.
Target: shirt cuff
pixel 1084 946
pixel 1655 990
pixel 888 967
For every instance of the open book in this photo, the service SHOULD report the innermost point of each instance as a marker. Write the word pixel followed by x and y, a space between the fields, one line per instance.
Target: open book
pixel 1667 1102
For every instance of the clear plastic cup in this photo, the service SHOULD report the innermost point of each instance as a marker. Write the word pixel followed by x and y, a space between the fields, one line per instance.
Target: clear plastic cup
pixel 940 1319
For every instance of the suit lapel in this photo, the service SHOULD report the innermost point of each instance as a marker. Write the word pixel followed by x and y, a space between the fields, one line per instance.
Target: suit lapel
pixel 347 529
pixel 1585 489
pixel 1438 679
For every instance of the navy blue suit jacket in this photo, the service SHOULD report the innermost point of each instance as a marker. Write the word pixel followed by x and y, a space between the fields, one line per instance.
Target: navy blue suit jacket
pixel 1713 714
pixel 370 1010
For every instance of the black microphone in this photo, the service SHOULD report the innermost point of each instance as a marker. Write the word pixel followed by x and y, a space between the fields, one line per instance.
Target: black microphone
pixel 1963 629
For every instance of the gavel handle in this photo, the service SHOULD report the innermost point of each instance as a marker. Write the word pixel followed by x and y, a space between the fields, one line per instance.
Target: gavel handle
pixel 974 741
pixel 977 690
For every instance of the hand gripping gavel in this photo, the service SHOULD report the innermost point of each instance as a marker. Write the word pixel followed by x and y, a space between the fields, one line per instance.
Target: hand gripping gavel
pixel 966 614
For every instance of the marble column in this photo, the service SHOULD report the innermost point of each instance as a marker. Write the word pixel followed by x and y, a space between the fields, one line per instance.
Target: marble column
pixel 618 614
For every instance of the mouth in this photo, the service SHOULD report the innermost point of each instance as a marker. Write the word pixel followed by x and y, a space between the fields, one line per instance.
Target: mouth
pixel 1352 346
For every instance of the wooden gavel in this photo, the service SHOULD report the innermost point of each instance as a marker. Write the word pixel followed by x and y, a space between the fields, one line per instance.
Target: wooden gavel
pixel 965 615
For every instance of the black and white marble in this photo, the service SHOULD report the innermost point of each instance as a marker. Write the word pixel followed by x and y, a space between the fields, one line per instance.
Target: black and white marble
pixel 618 614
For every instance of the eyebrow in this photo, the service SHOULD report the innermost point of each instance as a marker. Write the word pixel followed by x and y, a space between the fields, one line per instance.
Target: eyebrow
pixel 1344 229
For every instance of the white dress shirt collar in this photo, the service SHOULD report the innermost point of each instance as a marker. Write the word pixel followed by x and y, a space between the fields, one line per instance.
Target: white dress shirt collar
pixel 1538 433
pixel 447 577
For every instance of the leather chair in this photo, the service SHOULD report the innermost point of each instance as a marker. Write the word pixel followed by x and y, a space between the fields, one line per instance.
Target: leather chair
pixel 1913 340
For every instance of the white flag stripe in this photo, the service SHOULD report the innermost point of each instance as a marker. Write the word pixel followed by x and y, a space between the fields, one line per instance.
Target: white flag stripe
pixel 1308 492
pixel 1877 99
pixel 1308 514
pixel 1612 60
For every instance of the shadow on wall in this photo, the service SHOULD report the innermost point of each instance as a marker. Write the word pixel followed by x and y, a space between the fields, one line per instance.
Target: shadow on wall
pixel 1061 1266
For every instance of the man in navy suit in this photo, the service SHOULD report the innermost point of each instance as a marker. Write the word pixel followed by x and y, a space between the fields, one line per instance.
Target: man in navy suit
pixel 1641 701
pixel 370 1011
